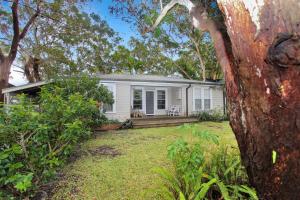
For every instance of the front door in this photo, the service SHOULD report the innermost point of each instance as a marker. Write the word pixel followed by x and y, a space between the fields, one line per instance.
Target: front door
pixel 149 102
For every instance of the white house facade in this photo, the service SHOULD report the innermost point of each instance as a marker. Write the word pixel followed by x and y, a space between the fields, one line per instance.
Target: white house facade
pixel 154 95
pixel 149 95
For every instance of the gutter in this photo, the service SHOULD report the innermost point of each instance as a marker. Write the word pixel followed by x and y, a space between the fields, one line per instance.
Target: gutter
pixel 105 78
pixel 187 100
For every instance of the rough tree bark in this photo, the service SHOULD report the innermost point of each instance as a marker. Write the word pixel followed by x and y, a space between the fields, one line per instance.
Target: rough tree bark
pixel 260 56
pixel 7 60
pixel 265 111
pixel 31 70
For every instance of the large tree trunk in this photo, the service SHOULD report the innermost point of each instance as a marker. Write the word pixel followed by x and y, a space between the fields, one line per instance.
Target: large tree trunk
pixel 259 53
pixel 5 66
pixel 263 89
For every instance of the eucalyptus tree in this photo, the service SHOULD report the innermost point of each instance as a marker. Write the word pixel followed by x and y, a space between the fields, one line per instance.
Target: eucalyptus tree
pixel 14 27
pixel 257 44
pixel 176 37
pixel 141 56
pixel 80 42
pixel 46 38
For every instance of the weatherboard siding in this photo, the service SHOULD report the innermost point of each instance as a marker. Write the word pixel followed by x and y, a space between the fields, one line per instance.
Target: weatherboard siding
pixel 217 98
pixel 122 102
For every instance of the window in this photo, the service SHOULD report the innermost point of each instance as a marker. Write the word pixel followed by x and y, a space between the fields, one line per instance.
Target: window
pixel 197 99
pixel 161 99
pixel 109 108
pixel 137 99
pixel 202 99
pixel 206 99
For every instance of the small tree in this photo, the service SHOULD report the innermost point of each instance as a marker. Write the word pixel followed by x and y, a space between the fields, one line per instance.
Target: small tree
pixel 35 142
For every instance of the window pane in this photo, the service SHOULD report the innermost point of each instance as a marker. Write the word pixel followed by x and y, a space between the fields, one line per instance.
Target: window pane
pixel 161 94
pixel 137 94
pixel 161 99
pixel 206 94
pixel 161 104
pixel 197 93
pixel 107 107
pixel 206 104
pixel 198 104
pixel 137 104
pixel 137 99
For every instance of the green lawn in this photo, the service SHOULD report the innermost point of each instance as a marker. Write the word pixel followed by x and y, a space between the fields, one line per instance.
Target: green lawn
pixel 128 176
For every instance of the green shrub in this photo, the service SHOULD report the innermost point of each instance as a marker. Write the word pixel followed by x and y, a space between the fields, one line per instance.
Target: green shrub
pixel 212 115
pixel 83 84
pixel 194 176
pixel 35 142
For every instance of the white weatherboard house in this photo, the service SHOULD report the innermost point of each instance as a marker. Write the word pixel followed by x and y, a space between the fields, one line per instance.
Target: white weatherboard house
pixel 149 95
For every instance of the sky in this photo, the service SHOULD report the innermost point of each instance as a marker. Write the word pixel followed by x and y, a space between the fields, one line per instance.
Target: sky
pixel 99 7
pixel 102 8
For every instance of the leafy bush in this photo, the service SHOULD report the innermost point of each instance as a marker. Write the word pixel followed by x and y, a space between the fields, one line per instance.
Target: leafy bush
pixel 85 85
pixel 35 142
pixel 212 115
pixel 195 177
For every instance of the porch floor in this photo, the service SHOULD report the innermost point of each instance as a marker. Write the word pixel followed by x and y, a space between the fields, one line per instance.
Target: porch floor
pixel 161 121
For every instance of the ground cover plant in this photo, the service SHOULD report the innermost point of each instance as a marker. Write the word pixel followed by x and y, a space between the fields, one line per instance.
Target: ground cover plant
pixel 128 169
pixel 35 140
pixel 198 174
pixel 215 115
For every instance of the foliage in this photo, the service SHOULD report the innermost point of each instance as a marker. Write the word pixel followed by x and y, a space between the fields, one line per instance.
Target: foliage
pixel 142 57
pixel 212 115
pixel 196 177
pixel 174 37
pixel 36 141
pixel 54 38
pixel 85 85
pixel 130 175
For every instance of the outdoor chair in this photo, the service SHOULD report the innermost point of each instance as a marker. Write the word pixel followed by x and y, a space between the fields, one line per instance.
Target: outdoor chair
pixel 173 110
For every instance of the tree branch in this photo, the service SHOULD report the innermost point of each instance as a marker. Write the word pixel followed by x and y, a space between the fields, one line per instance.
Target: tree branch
pixel 15 41
pixel 1 56
pixel 16 28
pixel 187 3
pixel 199 58
pixel 30 22
pixel 183 71
pixel 201 21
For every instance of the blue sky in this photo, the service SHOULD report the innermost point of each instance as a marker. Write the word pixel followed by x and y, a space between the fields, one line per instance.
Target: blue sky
pixel 101 8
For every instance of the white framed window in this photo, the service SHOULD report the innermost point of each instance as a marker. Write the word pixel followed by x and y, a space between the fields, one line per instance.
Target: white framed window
pixel 161 99
pixel 110 108
pixel 202 98
pixel 137 103
pixel 197 99
pixel 207 99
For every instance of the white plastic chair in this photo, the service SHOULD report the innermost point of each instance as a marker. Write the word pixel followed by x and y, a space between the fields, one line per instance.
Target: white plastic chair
pixel 174 110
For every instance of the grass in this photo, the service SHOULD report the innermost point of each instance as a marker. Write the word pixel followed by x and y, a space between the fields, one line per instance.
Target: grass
pixel 130 175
